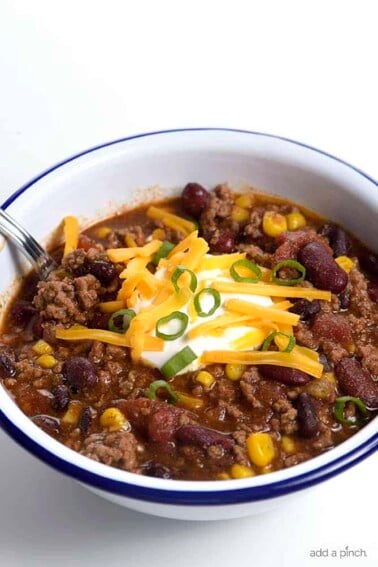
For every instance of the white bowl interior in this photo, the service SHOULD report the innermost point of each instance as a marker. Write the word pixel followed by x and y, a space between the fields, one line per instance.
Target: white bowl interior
pixel 129 172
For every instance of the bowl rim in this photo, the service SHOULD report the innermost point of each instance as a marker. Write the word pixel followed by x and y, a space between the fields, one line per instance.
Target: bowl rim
pixel 191 497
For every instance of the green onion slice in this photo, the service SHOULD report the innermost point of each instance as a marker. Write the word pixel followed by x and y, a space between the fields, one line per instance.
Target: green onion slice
pixel 155 386
pixel 177 274
pixel 338 410
pixel 289 347
pixel 124 316
pixel 252 267
pixel 183 320
pixel 216 301
pixel 163 251
pixel 288 264
pixel 179 361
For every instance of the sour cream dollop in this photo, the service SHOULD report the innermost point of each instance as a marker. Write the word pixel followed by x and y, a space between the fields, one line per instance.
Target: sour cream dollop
pixel 204 343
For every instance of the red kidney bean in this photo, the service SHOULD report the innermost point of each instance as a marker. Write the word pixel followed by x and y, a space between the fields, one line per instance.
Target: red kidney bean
pixel 7 364
pixel 308 421
pixel 195 199
pixel 163 424
pixel 288 376
pixel 22 312
pixel 321 268
pixel 306 309
pixel 373 291
pixel 79 372
pixel 355 381
pixel 85 420
pixel 223 244
pixel 138 411
pixel 334 327
pixel 61 397
pixel 339 241
pixel 203 437
pixel 50 425
pixel 157 420
pixel 102 270
pixel 156 470
pixel 369 262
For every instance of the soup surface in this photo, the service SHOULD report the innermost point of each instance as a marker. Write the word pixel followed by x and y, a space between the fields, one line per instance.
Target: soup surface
pixel 212 336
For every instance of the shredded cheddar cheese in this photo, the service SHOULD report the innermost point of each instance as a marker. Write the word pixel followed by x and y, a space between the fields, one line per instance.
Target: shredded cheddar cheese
pixel 289 360
pixel 266 313
pixel 221 262
pixel 71 234
pixel 171 221
pixel 272 290
pixel 117 255
pixel 85 334
pixel 251 339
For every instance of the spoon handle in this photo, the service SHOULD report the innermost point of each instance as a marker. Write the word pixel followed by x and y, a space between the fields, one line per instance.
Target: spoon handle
pixel 27 244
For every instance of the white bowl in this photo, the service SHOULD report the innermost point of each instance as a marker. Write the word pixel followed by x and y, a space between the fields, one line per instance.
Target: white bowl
pixel 94 183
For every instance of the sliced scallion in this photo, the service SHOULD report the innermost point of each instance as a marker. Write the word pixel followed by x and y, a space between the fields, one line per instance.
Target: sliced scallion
pixel 163 251
pixel 178 273
pixel 288 264
pixel 119 322
pixel 157 385
pixel 178 362
pixel 338 410
pixel 251 266
pixel 183 321
pixel 289 347
pixel 216 301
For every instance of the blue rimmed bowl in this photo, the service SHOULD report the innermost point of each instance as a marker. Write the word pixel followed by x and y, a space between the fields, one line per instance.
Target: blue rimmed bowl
pixel 129 171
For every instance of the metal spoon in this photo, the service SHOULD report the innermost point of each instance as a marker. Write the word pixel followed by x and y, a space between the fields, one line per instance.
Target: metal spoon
pixel 27 244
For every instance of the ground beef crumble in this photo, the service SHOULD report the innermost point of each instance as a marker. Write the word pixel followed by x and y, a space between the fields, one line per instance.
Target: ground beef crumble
pixel 119 449
pixel 66 300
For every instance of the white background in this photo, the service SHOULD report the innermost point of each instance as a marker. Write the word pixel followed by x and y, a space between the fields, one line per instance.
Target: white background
pixel 74 74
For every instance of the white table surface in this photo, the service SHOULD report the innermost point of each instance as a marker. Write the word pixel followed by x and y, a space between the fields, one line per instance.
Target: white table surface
pixel 75 74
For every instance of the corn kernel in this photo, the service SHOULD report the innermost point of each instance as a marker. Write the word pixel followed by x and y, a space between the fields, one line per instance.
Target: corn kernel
pixel 245 201
pixel 234 371
pixel 158 234
pixel 129 241
pixel 223 476
pixel 189 401
pixel 345 263
pixel 42 347
pixel 260 449
pixel 71 417
pixel 295 221
pixel 238 214
pixel 46 361
pixel 287 444
pixel 241 471
pixel 266 470
pixel 274 223
pixel 205 378
pixel 103 232
pixel 113 419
